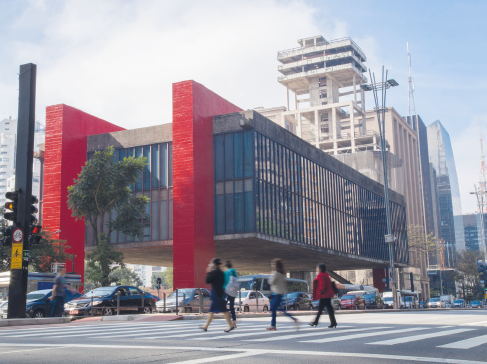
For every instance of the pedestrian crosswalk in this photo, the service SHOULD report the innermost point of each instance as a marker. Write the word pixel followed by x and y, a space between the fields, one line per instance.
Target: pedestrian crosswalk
pixel 443 337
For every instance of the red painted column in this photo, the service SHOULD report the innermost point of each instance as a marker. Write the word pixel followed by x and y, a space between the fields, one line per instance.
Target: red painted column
pixel 378 275
pixel 193 180
pixel 67 129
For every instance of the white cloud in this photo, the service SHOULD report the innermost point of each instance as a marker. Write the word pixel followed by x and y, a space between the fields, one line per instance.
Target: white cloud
pixel 118 59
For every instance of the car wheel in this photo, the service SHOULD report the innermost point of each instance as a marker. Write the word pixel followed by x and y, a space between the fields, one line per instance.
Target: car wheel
pixel 188 310
pixel 147 310
pixel 107 311
pixel 297 307
pixel 38 314
pixel 266 308
pixel 310 307
pixel 246 309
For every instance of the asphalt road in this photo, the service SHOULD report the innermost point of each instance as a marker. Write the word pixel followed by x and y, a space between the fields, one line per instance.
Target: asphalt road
pixel 435 337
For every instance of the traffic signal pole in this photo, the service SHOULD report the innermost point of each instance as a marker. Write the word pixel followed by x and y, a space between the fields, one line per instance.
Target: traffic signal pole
pixel 23 185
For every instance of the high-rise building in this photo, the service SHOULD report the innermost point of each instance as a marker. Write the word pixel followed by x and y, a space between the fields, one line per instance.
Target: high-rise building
pixel 451 219
pixel 473 231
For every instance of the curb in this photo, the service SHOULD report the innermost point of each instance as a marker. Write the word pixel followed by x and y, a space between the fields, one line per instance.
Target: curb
pixel 35 321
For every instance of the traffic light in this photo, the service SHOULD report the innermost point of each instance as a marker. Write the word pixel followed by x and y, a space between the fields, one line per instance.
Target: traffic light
pixel 11 205
pixel 33 209
pixel 7 236
pixel 35 235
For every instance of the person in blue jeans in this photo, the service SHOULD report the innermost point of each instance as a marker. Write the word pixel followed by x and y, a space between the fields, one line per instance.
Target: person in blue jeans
pixel 278 289
pixel 230 272
pixel 58 292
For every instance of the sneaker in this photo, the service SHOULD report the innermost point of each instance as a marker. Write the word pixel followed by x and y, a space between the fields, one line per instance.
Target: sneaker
pixel 271 328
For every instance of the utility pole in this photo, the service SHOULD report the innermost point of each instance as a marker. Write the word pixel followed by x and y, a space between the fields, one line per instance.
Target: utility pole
pixel 383 86
pixel 481 203
pixel 22 197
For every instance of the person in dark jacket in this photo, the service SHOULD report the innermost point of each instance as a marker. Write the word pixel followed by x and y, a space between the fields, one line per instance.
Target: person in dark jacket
pixel 216 278
pixel 323 290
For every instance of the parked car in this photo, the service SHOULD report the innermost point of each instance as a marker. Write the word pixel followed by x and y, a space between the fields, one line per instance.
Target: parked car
pixel 436 303
pixel 3 309
pixel 388 303
pixel 476 304
pixel 247 301
pixel 459 303
pixel 352 301
pixel 409 302
pixel 373 301
pixel 297 301
pixel 188 301
pixel 38 304
pixel 105 302
pixel 335 301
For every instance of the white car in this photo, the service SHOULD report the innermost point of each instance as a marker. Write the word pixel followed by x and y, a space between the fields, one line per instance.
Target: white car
pixel 248 301
pixel 3 309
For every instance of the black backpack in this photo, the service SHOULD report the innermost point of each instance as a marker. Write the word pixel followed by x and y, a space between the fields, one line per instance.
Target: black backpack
pixel 335 288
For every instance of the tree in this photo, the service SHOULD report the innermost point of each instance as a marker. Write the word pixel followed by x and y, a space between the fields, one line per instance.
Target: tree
pixel 102 195
pixel 467 272
pixel 42 255
pixel 100 261
pixel 126 277
pixel 421 244
pixel 166 276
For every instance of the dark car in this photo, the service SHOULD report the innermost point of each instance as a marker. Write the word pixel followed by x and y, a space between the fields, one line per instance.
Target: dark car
pixel 39 304
pixel 105 302
pixel 335 301
pixel 373 301
pixel 297 301
pixel 352 301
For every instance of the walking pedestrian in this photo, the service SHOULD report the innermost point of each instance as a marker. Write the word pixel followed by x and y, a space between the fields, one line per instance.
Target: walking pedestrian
pixel 216 278
pixel 58 291
pixel 323 290
pixel 231 288
pixel 277 281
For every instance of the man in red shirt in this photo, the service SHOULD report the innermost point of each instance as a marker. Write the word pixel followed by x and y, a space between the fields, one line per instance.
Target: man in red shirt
pixel 323 290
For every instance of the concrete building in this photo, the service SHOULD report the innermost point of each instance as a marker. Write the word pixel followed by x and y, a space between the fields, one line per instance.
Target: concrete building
pixel 228 183
pixel 451 219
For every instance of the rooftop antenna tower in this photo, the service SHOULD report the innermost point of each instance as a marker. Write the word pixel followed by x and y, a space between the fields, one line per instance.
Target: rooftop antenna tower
pixel 482 171
pixel 411 87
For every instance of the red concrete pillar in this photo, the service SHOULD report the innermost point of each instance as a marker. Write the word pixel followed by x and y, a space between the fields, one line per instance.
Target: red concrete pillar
pixel 193 180
pixel 67 129
pixel 378 276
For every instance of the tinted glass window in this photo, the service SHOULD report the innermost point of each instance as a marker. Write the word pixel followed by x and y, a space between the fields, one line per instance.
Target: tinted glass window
pixel 206 294
pixel 266 286
pixel 257 284
pixel 134 291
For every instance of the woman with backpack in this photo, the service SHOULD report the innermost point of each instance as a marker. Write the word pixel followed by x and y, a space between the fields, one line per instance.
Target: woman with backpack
pixel 231 289
pixel 324 291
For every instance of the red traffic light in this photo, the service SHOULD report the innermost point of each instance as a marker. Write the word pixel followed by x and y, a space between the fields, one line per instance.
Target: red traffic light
pixel 36 229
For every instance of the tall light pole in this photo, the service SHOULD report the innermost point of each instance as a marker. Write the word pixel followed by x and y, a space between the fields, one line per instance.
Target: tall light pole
pixel 481 203
pixel 375 87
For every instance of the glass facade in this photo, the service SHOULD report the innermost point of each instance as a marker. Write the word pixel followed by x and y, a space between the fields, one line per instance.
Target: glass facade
pixel 473 231
pixel 292 197
pixel 451 220
pixel 155 183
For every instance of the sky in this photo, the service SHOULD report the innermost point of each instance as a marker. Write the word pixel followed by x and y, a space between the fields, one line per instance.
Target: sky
pixel 117 59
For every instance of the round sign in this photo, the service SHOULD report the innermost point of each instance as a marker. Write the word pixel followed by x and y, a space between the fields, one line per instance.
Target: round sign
pixel 18 235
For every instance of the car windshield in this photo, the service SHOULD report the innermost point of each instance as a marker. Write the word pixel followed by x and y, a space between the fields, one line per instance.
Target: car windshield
pixel 435 300
pixel 291 295
pixel 35 296
pixel 187 292
pixel 246 283
pixel 244 294
pixel 476 302
pixel 458 301
pixel 387 299
pixel 348 297
pixel 369 296
pixel 100 292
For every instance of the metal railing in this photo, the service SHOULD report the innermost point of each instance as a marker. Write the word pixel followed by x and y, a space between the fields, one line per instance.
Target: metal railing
pixel 281 54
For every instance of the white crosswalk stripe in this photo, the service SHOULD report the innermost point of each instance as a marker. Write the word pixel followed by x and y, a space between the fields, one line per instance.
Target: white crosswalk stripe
pixel 363 335
pixel 409 339
pixel 467 343
pixel 317 332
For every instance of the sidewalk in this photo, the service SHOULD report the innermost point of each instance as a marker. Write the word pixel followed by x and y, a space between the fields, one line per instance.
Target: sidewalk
pixel 34 321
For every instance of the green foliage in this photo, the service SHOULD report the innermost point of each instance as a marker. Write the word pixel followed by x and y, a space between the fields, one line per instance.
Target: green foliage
pixel 103 188
pixel 420 243
pixel 166 277
pixel 41 255
pixel 467 273
pixel 99 263
pixel 125 277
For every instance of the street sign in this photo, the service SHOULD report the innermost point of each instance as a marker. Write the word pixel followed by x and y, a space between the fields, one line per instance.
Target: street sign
pixel 18 235
pixel 16 260
pixel 26 255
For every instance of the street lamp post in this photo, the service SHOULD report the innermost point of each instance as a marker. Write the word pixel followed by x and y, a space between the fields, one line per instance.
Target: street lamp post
pixel 480 202
pixel 383 86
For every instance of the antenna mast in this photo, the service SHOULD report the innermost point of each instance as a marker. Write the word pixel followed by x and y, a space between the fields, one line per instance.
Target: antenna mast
pixel 482 171
pixel 411 87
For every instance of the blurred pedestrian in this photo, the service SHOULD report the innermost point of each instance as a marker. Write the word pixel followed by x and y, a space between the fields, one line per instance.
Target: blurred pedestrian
pixel 216 278
pixel 277 281
pixel 323 290
pixel 231 288
pixel 57 295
